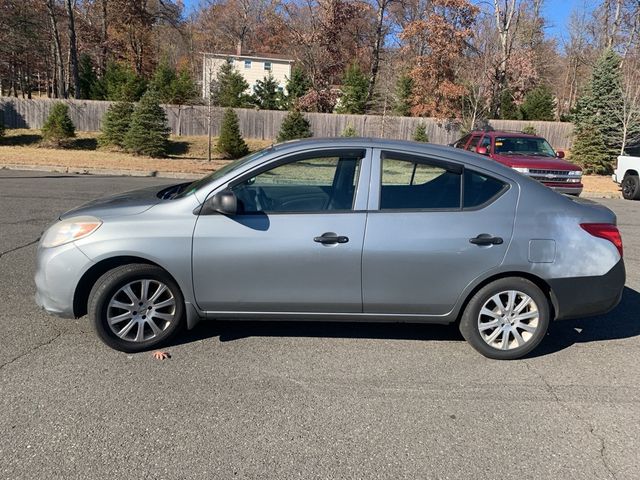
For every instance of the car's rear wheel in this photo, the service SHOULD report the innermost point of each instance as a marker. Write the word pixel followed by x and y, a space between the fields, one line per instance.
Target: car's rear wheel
pixel 631 187
pixel 506 319
pixel 136 307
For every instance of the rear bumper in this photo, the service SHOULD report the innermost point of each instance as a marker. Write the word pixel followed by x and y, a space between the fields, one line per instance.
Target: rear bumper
pixel 586 296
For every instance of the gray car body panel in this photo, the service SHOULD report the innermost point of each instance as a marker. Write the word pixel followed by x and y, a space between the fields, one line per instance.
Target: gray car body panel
pixel 413 266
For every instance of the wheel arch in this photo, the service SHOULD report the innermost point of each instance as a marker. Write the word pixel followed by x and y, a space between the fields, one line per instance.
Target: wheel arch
pixel 91 276
pixel 631 171
pixel 539 282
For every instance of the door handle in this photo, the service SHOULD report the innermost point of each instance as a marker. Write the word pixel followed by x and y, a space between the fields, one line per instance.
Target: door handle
pixel 486 239
pixel 330 238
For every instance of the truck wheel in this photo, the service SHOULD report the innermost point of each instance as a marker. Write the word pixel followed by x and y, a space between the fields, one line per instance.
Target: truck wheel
pixel 631 187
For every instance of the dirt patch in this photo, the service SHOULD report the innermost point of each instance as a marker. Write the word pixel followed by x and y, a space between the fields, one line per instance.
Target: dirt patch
pixel 600 184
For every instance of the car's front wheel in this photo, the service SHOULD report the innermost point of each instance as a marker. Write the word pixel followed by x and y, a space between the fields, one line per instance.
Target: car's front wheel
pixel 136 307
pixel 506 319
pixel 631 187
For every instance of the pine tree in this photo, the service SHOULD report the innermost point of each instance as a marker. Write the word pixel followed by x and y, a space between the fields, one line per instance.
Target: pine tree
pixel 349 131
pixel 58 127
pixel 119 83
pixel 183 89
pixel 149 132
pixel 355 85
pixel 590 149
pixel 87 76
pixel 294 126
pixel 115 124
pixel 403 95
pixel 230 142
pixel 538 105
pixel 297 86
pixel 599 109
pixel 508 108
pixel 420 133
pixel 266 94
pixel 163 81
pixel 228 90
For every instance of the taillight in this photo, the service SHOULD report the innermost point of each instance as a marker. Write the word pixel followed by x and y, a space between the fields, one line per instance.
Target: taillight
pixel 605 230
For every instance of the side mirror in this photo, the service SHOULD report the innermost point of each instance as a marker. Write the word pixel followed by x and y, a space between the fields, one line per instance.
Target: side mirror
pixel 482 150
pixel 560 154
pixel 224 202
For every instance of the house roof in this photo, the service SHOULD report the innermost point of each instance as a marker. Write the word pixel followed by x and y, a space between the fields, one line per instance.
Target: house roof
pixel 251 56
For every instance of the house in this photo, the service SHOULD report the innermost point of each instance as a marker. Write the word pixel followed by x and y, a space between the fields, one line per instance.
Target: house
pixel 252 68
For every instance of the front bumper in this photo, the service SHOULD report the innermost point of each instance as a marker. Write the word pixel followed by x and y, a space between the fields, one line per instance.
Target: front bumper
pixel 586 296
pixel 566 188
pixel 58 271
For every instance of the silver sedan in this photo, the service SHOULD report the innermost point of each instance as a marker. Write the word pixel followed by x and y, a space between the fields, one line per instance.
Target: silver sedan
pixel 337 229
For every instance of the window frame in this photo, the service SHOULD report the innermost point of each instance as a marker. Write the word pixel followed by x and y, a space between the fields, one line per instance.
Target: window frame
pixel 375 187
pixel 361 182
pixel 270 69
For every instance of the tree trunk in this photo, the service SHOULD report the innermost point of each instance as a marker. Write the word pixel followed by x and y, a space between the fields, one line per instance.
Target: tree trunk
pixel 55 36
pixel 73 52
pixel 104 38
pixel 375 53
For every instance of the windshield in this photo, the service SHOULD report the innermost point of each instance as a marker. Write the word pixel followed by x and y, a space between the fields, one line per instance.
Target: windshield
pixel 229 167
pixel 523 146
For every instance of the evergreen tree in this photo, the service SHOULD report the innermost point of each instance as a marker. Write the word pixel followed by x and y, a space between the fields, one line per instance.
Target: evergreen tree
pixel 508 108
pixel 355 85
pixel 184 90
pixel 58 127
pixel 228 90
pixel 87 76
pixel 404 87
pixel 420 133
pixel 599 109
pixel 538 105
pixel 294 126
pixel 230 142
pixel 163 81
pixel 116 123
pixel 1 124
pixel 297 86
pixel 119 83
pixel 349 131
pixel 149 132
pixel 266 94
pixel 590 149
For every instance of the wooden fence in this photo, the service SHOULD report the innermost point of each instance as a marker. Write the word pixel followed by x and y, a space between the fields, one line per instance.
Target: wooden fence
pixel 265 124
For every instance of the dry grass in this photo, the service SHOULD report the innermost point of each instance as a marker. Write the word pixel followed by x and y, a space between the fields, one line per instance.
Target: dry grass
pixel 187 154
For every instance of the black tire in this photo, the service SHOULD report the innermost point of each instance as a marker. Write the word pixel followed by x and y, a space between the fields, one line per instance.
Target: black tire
pixel 110 283
pixel 469 322
pixel 631 187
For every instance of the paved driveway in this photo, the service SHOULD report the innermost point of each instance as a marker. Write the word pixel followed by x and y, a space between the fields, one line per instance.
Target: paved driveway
pixel 303 400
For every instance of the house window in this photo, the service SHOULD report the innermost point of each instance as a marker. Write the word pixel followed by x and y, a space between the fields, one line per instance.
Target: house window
pixel 229 60
pixel 247 64
pixel 267 66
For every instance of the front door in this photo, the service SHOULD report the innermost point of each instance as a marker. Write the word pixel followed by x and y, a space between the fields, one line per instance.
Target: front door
pixel 418 249
pixel 295 244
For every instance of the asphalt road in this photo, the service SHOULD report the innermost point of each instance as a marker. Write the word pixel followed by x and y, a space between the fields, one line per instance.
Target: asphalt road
pixel 303 401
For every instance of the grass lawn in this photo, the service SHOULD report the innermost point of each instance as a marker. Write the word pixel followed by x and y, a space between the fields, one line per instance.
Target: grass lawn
pixel 186 154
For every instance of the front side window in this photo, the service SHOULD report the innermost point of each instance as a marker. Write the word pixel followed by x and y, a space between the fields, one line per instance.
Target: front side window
pixel 322 182
pixel 418 184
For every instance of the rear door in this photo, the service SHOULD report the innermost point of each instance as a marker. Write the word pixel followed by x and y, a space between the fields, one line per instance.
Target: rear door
pixel 424 215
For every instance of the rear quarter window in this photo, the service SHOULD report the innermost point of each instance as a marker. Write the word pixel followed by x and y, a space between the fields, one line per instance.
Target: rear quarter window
pixel 480 189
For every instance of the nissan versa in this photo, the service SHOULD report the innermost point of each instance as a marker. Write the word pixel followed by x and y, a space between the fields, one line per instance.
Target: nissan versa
pixel 337 229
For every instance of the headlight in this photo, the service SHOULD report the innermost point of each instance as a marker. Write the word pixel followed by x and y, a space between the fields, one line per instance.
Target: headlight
pixel 521 169
pixel 575 173
pixel 66 231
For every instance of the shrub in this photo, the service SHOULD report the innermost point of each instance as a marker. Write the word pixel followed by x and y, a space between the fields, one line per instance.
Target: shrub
pixel 530 130
pixel 116 123
pixel 230 142
pixel 349 131
pixel 294 126
pixel 149 132
pixel 420 133
pixel 58 128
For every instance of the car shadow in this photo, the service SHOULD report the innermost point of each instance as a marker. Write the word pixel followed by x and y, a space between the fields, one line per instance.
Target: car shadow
pixel 622 322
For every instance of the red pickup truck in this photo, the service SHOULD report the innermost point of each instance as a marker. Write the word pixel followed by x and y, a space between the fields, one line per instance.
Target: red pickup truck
pixel 528 154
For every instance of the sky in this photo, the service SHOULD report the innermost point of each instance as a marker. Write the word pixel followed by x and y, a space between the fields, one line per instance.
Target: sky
pixel 557 13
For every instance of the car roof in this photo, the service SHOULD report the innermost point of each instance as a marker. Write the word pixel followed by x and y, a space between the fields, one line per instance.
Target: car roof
pixel 502 133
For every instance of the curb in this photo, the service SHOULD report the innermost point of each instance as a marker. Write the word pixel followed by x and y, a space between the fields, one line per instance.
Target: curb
pixel 100 171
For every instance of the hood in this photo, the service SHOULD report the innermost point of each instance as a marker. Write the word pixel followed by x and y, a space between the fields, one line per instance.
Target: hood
pixel 122 204
pixel 533 161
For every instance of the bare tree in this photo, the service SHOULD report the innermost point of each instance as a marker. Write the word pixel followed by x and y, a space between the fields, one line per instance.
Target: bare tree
pixel 57 49
pixel 378 41
pixel 73 49
pixel 507 17
pixel 630 113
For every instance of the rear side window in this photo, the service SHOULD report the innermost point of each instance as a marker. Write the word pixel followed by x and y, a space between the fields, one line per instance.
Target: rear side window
pixel 418 184
pixel 479 188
